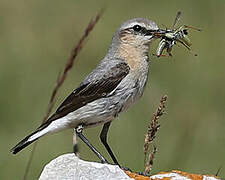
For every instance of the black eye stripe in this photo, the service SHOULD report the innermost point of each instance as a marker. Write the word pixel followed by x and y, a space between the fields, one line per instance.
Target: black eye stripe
pixel 137 29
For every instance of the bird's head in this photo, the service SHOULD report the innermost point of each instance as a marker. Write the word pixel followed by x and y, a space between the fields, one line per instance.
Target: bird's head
pixel 132 40
pixel 137 32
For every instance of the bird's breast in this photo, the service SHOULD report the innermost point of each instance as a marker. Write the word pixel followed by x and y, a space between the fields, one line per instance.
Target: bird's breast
pixel 131 87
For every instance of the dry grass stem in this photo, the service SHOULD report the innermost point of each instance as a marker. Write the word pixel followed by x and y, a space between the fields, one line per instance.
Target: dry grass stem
pixel 149 164
pixel 61 79
pixel 153 127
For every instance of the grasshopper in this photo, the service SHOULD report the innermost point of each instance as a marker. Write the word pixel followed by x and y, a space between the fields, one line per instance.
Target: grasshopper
pixel 172 36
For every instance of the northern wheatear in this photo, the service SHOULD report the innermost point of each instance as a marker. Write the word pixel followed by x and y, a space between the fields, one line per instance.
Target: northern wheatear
pixel 117 82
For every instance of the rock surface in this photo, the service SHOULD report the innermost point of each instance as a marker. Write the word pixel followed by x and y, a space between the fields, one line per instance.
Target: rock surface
pixel 70 167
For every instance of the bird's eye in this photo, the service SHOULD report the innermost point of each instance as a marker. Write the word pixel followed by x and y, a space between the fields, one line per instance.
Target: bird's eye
pixel 137 28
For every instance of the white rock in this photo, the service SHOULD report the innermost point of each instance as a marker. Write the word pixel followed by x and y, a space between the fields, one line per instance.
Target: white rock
pixel 70 167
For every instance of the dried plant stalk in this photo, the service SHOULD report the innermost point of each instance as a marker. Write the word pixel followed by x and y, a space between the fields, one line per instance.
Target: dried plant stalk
pixel 149 163
pixel 61 79
pixel 153 127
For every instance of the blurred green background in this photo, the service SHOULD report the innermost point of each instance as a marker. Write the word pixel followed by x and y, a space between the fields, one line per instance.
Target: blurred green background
pixel 36 38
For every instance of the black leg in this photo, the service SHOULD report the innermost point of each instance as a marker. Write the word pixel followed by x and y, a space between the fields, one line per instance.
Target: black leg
pixel 103 137
pixel 79 130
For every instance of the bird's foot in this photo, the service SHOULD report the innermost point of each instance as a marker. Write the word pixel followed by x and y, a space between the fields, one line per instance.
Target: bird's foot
pixel 125 168
pixel 143 173
pixel 104 161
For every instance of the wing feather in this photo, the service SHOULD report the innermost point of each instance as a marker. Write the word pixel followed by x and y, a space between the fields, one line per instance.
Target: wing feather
pixel 92 90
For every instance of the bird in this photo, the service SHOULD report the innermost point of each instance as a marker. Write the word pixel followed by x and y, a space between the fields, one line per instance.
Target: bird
pixel 111 88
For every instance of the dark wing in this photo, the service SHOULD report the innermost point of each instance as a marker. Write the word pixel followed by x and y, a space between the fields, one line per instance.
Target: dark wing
pixel 92 90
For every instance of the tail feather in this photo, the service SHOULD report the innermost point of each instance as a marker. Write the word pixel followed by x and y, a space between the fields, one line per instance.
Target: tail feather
pixel 22 144
pixel 28 140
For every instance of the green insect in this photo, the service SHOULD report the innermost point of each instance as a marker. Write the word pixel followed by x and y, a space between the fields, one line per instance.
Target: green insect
pixel 172 36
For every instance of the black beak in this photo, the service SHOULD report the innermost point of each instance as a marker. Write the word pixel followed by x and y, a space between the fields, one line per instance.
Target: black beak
pixel 159 32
